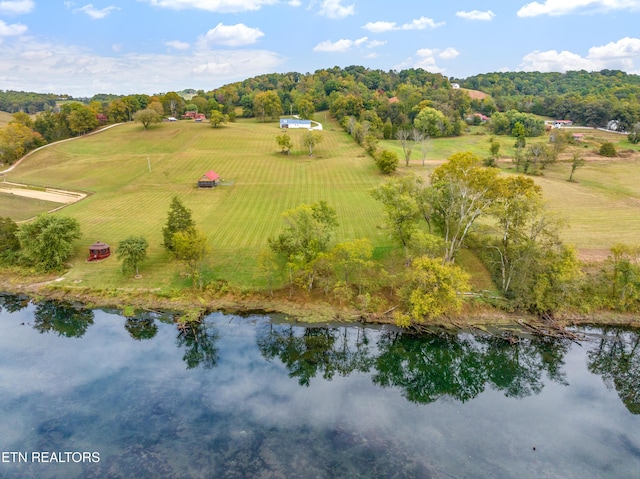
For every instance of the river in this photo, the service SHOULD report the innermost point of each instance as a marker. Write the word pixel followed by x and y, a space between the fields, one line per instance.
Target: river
pixel 92 394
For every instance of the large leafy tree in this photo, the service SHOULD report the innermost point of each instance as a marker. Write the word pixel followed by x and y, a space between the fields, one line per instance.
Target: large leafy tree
pixel 178 220
pixel 79 117
pixel 191 247
pixel 311 139
pixel 267 104
pixel 464 190
pixel 432 289
pixel 132 251
pixel 47 242
pixel 431 122
pixel 17 139
pixel 147 117
pixel 308 230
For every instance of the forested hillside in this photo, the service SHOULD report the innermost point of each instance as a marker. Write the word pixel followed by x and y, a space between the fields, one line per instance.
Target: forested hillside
pixel 588 98
pixel 370 104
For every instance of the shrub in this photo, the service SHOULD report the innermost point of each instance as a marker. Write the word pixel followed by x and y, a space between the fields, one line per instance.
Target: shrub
pixel 387 162
pixel 608 149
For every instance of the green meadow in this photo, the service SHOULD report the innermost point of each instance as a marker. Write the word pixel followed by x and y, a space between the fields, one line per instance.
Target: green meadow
pixel 126 198
pixel 131 175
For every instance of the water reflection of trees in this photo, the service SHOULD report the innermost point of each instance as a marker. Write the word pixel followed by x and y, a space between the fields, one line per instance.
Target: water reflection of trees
pixel 307 352
pixel 617 359
pixel 425 368
pixel 433 367
pixel 13 303
pixel 199 342
pixel 141 327
pixel 65 319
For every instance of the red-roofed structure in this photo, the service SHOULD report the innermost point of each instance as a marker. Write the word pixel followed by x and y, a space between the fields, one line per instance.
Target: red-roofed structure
pixel 209 180
pixel 99 250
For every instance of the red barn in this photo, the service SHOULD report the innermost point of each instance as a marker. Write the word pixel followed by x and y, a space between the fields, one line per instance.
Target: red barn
pixel 209 180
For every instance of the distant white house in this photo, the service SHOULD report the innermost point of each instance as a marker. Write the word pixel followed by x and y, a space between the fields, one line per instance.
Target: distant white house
pixel 295 122
pixel 455 86
pixel 558 123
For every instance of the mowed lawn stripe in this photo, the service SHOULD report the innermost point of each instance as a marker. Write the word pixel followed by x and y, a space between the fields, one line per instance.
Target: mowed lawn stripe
pixel 129 199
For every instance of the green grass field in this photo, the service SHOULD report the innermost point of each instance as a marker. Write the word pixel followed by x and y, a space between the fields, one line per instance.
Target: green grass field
pixel 5 118
pixel 20 208
pixel 600 209
pixel 127 199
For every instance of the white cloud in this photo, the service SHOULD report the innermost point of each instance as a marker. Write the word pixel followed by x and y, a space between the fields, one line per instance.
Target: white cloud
pixel 427 59
pixel 477 15
pixel 338 46
pixel 177 45
pixel 346 44
pixel 231 35
pixel 95 13
pixel 623 54
pixel 376 43
pixel 421 23
pixel 449 53
pixel 125 74
pixel 335 9
pixel 17 7
pixel 626 48
pixel 379 27
pixel 565 7
pixel 218 6
pixel 9 30
pixel 294 3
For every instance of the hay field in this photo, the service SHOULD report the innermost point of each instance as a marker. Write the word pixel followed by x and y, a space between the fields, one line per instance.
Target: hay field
pixel 128 199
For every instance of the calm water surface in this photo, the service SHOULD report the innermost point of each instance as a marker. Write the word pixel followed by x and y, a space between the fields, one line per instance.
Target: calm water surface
pixel 254 398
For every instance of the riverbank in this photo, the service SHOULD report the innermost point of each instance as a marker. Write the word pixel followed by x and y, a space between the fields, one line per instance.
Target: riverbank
pixel 298 307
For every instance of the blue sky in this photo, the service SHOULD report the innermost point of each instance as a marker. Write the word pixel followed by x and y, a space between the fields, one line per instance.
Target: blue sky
pixel 155 46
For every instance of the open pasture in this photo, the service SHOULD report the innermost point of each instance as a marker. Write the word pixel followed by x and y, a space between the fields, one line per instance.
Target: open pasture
pixel 126 198
pixel 601 208
pixel 5 118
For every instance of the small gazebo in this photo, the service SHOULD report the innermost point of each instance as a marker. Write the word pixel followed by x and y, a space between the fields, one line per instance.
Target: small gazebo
pixel 98 251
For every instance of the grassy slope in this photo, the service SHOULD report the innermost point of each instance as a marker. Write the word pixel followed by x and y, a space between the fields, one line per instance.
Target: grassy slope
pixel 5 118
pixel 128 199
pixel 600 209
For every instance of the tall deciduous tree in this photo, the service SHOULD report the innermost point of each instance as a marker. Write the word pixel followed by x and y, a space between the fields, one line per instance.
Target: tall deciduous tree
pixel 267 104
pixel 147 117
pixel 178 219
pixel 132 251
pixel 16 140
pixel 308 230
pixel 431 122
pixel 304 106
pixel 9 242
pixel 432 289
pixel 463 191
pixel 577 161
pixel 400 208
pixel 216 118
pixel 405 137
pixel 284 142
pixel 191 247
pixel 311 139
pixel 47 242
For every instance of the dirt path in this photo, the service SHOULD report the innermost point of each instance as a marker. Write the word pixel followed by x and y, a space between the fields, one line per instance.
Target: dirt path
pixel 47 194
pixel 54 195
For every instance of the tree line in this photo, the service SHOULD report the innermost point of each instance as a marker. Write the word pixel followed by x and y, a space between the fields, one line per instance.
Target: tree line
pixel 586 98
